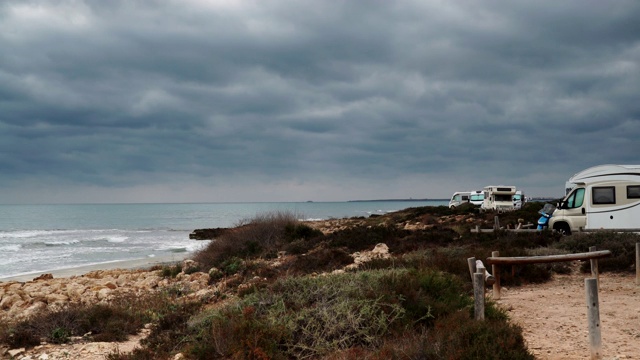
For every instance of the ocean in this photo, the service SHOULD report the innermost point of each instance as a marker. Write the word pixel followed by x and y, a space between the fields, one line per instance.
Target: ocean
pixel 40 238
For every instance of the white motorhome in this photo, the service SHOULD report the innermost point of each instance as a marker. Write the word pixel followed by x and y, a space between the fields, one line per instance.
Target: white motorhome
pixel 519 199
pixel 458 198
pixel 600 197
pixel 476 197
pixel 498 198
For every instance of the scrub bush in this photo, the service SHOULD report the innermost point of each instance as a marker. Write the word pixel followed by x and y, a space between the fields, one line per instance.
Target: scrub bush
pixel 621 245
pixel 260 237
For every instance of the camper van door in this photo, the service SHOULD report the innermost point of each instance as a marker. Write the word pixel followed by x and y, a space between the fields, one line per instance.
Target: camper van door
pixel 573 208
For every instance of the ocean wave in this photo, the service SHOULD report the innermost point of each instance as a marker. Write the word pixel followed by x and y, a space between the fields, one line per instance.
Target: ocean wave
pixel 10 247
pixel 60 242
pixel 111 238
pixel 20 234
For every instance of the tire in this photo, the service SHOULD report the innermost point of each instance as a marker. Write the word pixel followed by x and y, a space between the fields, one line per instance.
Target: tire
pixel 562 228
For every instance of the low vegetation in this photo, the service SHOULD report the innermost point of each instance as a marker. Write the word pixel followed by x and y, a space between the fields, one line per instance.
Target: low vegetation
pixel 417 304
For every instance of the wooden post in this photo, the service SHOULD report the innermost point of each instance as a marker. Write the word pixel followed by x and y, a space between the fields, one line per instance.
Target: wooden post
pixel 593 318
pixel 594 266
pixel 496 223
pixel 496 275
pixel 638 263
pixel 478 295
pixel 472 266
pixel 488 278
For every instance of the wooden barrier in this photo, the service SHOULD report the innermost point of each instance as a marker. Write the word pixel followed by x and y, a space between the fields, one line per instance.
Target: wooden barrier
pixel 521 260
pixel 475 266
pixel 637 263
pixel 496 261
pixel 593 318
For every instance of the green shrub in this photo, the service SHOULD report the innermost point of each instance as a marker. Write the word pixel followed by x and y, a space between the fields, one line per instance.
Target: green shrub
pixel 458 336
pixel 125 315
pixel 262 236
pixel 320 260
pixel 621 245
pixel 171 271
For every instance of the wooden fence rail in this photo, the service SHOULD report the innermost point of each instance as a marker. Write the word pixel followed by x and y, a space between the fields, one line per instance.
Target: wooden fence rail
pixel 521 260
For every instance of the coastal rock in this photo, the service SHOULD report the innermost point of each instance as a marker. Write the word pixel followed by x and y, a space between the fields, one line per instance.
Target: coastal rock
pixel 44 277
pixel 208 234
pixel 15 352
pixel 18 300
pixel 9 300
pixel 380 251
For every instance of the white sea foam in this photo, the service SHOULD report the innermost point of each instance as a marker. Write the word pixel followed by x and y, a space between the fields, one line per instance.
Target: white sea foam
pixel 10 247
pixel 117 239
pixel 21 234
pixel 60 242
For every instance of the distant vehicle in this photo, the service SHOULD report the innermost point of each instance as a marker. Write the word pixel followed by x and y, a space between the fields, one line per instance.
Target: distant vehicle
pixel 458 198
pixel 476 197
pixel 498 198
pixel 600 197
pixel 519 199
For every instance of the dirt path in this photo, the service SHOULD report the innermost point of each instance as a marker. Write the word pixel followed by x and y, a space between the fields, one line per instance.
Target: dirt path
pixel 554 316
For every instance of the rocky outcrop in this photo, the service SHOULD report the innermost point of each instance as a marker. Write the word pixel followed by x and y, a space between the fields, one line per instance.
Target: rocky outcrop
pixel 22 299
pixel 208 234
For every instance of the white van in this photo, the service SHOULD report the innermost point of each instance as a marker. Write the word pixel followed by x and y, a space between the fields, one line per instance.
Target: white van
pixel 458 198
pixel 600 197
pixel 498 198
pixel 476 197
pixel 519 199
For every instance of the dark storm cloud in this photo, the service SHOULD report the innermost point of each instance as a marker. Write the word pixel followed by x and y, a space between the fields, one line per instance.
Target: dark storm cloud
pixel 121 94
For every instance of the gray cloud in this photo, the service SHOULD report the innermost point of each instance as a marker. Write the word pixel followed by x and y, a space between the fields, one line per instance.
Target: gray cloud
pixel 282 100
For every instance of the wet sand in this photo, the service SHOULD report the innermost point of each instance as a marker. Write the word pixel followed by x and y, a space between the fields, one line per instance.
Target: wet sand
pixel 124 264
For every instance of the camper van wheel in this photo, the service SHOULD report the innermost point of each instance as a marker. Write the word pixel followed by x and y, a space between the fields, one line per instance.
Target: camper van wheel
pixel 562 228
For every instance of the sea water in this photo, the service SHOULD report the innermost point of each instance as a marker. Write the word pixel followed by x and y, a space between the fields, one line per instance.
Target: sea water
pixel 39 238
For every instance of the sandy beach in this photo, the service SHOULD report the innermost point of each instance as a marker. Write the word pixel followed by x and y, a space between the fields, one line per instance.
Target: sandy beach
pixel 123 264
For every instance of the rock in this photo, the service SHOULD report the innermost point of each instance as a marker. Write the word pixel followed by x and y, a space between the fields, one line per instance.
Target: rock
pixel 104 293
pixel 150 282
pixel 34 308
pixel 208 234
pixel 9 300
pixel 56 298
pixel 15 352
pixel 44 277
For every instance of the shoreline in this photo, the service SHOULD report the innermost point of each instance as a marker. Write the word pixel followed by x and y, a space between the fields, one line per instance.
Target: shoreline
pixel 118 264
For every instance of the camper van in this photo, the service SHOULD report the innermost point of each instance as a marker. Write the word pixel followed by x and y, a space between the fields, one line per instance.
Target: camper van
pixel 498 198
pixel 600 197
pixel 458 198
pixel 519 199
pixel 476 197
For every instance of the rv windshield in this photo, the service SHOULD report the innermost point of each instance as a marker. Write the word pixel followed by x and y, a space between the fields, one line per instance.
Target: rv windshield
pixel 575 200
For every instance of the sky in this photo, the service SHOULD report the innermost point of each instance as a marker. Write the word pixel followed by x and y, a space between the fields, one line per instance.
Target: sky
pixel 282 100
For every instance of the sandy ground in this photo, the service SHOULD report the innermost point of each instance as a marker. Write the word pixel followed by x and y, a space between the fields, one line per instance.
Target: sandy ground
pixel 554 316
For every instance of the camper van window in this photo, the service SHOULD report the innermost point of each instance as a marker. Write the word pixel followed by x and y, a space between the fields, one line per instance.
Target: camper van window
pixel 604 195
pixel 633 192
pixel 503 197
pixel 576 199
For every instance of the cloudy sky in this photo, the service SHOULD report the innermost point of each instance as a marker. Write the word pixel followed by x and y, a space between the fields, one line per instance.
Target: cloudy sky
pixel 282 100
